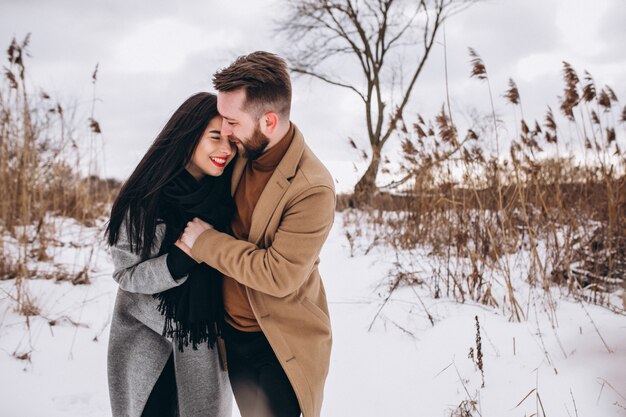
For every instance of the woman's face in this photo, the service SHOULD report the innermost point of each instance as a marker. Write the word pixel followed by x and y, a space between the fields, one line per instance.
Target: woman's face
pixel 212 153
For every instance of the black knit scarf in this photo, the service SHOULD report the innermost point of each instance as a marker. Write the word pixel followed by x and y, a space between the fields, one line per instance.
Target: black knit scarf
pixel 194 310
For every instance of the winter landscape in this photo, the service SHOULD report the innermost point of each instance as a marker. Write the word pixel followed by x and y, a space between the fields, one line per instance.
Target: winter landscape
pixel 477 264
pixel 388 357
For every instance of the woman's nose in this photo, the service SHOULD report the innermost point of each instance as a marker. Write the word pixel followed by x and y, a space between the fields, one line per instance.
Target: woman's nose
pixel 226 146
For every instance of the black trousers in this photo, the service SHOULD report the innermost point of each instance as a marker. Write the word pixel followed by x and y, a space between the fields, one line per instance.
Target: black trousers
pixel 259 382
pixel 162 400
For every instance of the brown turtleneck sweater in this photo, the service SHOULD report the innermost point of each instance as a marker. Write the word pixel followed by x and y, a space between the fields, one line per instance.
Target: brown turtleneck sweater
pixel 255 177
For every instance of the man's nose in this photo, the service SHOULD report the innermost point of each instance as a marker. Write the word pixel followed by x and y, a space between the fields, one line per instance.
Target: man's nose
pixel 226 129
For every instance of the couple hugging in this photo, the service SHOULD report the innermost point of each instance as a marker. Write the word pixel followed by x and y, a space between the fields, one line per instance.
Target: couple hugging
pixel 215 238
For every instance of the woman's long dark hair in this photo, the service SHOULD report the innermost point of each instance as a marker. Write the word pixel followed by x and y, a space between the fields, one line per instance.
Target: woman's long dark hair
pixel 167 157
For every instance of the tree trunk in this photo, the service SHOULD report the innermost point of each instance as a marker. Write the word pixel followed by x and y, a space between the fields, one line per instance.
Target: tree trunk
pixel 365 188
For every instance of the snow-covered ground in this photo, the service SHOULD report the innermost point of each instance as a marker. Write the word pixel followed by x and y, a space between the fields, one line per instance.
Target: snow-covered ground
pixel 388 361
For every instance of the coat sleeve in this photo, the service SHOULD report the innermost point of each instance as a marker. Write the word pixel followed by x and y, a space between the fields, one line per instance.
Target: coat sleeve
pixel 285 265
pixel 144 276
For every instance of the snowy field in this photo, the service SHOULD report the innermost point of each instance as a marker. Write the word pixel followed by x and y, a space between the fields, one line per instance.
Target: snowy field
pixel 388 361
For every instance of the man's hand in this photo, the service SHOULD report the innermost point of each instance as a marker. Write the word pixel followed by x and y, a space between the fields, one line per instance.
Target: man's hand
pixel 193 230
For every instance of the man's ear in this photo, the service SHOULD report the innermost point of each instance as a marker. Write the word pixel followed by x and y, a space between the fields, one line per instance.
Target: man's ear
pixel 269 122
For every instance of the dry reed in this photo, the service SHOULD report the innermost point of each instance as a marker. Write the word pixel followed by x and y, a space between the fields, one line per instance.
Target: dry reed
pixel 43 173
pixel 565 212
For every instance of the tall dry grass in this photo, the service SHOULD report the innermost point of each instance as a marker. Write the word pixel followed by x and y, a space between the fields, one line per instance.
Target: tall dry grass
pixel 47 168
pixel 476 212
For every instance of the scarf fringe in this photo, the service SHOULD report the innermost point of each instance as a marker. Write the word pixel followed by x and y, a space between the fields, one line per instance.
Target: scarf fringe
pixel 184 334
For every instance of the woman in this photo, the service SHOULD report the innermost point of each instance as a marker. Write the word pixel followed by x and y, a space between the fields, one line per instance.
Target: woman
pixel 163 357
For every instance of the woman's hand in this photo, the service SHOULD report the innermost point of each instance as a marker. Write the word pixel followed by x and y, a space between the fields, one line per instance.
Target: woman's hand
pixel 193 230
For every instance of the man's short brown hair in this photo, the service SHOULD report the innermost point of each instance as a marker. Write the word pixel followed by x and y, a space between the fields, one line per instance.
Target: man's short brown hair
pixel 265 79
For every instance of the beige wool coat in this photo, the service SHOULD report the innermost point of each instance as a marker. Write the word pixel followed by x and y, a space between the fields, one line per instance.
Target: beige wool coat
pixel 279 266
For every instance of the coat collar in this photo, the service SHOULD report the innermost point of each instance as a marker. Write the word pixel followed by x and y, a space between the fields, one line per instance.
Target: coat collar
pixel 275 188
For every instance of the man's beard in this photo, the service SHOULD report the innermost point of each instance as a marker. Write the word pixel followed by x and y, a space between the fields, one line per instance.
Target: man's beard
pixel 255 145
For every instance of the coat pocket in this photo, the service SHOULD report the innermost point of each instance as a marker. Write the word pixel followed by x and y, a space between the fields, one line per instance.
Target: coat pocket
pixel 316 311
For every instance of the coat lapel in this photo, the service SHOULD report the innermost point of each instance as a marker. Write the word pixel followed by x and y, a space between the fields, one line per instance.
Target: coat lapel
pixel 275 188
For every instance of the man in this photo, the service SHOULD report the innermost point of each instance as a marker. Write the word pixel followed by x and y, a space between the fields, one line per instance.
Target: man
pixel 277 331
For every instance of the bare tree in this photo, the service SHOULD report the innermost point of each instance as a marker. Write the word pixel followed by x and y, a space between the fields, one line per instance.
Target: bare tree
pixel 389 41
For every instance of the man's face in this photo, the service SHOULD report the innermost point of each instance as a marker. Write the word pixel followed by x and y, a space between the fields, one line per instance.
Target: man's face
pixel 239 125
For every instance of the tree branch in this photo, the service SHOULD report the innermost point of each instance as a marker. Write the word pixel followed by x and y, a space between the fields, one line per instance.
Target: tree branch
pixel 328 80
pixel 405 98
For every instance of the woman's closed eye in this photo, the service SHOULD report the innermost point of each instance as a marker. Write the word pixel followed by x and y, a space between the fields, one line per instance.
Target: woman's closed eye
pixel 214 135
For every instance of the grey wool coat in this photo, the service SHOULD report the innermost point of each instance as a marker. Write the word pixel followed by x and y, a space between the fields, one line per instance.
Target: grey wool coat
pixel 138 352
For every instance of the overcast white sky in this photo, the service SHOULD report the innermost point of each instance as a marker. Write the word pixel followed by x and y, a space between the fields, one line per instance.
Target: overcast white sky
pixel 153 54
